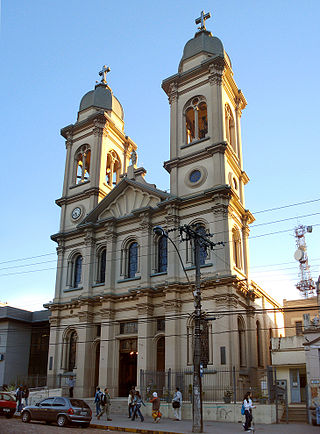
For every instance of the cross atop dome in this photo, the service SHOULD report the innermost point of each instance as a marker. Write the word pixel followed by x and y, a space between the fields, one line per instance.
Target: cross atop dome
pixel 202 20
pixel 103 73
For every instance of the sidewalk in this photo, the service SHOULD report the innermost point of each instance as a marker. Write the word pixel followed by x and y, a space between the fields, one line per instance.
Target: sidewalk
pixel 121 423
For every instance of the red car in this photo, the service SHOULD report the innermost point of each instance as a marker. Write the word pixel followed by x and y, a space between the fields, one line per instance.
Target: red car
pixel 7 404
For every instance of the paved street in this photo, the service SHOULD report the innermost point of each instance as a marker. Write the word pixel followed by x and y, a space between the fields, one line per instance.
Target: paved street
pixel 15 426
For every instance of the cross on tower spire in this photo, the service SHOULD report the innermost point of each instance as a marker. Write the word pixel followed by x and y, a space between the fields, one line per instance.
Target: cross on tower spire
pixel 103 73
pixel 202 20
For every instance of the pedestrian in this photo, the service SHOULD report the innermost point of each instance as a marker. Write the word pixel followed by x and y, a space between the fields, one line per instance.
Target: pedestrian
pixel 97 400
pixel 71 382
pixel 177 404
pixel 137 405
pixel 130 403
pixel 19 396
pixel 105 404
pixel 155 407
pixel 26 394
pixel 247 403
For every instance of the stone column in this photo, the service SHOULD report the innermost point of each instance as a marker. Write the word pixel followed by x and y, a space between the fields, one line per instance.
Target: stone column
pixel 174 123
pixel 62 269
pixel 251 340
pixel 246 259
pixel 68 171
pixel 217 111
pixel 111 262
pixel 173 345
pixel 146 327
pixel 55 349
pixel 88 262
pixel 84 386
pixel 174 269
pixel 109 356
pixel 221 228
pixel 144 259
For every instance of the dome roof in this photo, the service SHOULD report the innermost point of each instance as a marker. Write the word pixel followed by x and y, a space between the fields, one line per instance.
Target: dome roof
pixel 101 97
pixel 203 42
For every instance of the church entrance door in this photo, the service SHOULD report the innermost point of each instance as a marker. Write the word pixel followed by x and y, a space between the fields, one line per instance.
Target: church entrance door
pixel 127 365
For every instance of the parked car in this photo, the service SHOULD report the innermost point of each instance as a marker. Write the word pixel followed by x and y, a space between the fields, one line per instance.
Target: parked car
pixel 7 404
pixel 61 410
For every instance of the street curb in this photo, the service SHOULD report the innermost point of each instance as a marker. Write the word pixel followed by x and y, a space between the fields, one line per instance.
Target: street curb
pixel 135 430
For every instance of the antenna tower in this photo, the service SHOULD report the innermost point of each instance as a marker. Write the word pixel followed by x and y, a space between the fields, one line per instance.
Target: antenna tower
pixel 306 285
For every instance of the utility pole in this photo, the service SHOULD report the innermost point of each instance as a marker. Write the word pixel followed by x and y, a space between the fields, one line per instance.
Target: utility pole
pixel 200 240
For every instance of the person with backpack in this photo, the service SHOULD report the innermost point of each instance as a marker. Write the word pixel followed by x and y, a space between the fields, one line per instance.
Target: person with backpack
pixel 137 402
pixel 105 404
pixel 247 409
pixel 97 400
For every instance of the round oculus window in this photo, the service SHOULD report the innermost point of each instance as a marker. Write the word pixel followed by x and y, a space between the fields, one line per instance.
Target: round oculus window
pixel 195 176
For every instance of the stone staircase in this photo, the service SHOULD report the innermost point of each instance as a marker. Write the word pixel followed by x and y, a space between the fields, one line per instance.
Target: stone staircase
pixel 297 413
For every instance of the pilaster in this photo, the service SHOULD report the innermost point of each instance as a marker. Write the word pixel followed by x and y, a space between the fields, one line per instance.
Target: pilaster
pixel 145 334
pixel 111 242
pixel 88 261
pixel 172 305
pixel 109 358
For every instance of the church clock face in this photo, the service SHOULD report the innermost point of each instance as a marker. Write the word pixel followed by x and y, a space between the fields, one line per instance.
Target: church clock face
pixel 76 213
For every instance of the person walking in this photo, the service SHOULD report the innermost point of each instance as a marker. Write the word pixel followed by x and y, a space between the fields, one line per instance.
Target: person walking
pixel 247 403
pixel 155 407
pixel 130 403
pixel 19 396
pixel 71 382
pixel 177 404
pixel 26 394
pixel 137 402
pixel 105 404
pixel 97 400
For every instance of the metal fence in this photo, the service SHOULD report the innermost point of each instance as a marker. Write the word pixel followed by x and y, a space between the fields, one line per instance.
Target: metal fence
pixel 218 385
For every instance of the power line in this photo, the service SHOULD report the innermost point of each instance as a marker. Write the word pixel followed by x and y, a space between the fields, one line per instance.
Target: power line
pixel 255 212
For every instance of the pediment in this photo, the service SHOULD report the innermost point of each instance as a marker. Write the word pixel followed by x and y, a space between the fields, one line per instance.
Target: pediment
pixel 132 198
pixel 124 199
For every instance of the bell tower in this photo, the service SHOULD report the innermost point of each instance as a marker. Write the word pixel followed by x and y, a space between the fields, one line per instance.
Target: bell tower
pixel 98 153
pixel 205 111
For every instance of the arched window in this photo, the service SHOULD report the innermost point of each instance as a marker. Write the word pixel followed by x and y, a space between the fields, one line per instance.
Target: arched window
pixel 83 157
pixel 162 254
pixel 161 354
pixel 196 119
pixel 230 128
pixel 113 168
pixel 77 271
pixel 241 342
pixel 132 259
pixel 101 274
pixel 72 351
pixel 259 344
pixel 237 248
pixel 203 250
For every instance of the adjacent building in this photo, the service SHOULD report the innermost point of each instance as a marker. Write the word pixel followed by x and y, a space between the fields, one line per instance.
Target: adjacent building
pixel 24 342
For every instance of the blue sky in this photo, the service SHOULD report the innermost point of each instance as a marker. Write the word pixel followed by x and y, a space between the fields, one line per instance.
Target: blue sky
pixel 51 54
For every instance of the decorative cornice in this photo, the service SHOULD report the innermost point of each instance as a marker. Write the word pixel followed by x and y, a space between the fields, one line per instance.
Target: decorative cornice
pixel 85 317
pixel 107 313
pixel 228 300
pixel 172 305
pixel 145 309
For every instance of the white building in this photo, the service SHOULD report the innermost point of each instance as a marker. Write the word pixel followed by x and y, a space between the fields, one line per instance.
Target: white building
pixel 122 302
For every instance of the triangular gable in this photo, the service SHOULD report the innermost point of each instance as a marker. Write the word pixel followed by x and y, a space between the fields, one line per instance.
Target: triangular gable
pixel 124 198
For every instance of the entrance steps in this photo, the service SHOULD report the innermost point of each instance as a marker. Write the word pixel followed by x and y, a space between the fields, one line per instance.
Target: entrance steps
pixel 118 405
pixel 296 413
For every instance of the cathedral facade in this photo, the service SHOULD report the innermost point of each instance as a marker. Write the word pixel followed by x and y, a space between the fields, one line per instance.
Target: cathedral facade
pixel 122 301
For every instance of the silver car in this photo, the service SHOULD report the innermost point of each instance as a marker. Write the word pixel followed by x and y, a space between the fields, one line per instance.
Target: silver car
pixel 61 410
